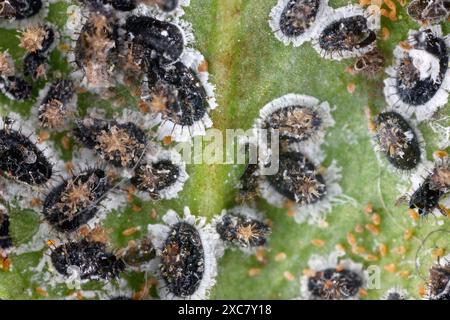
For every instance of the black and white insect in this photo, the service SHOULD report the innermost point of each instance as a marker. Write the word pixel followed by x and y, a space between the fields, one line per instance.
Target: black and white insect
pixel 438 286
pixel 295 21
pixel 395 293
pixel 76 200
pixel 56 104
pixel 242 227
pixel 430 186
pixel 302 186
pixel 121 144
pixel 419 81
pixel 21 13
pixel 95 46
pixel 38 41
pixel 297 118
pixel 6 243
pixel 35 65
pixel 22 158
pixel 398 140
pixel 15 87
pixel 346 32
pixel 180 97
pixel 333 279
pixel 91 260
pixel 160 176
pixel 187 253
pixel 429 12
pixel 12 86
pixel 161 41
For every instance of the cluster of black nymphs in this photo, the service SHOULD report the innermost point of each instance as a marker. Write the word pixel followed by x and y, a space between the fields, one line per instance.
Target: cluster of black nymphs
pixel 337 34
pixel 38 40
pixel 113 41
pixel 150 56
pixel 287 173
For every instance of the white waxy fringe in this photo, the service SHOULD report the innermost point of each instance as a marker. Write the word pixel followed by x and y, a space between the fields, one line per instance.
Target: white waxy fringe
pixel 244 211
pixel 440 99
pixel 319 263
pixel 441 127
pixel 192 59
pixel 312 213
pixel 403 294
pixel 24 23
pixel 20 193
pixel 311 32
pixel 211 245
pixel 310 147
pixel 373 23
pixel 170 192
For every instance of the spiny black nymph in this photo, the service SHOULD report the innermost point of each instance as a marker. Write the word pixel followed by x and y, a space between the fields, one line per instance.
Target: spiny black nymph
pixel 182 260
pixel 162 41
pixel 426 198
pixel 76 201
pixel 296 122
pixel 347 34
pixel 298 16
pixel 53 110
pixel 397 140
pixel 15 88
pixel 243 231
pixel 333 284
pixel 93 259
pixel 154 177
pixel 22 160
pixel 121 144
pixel 183 95
pixel 297 179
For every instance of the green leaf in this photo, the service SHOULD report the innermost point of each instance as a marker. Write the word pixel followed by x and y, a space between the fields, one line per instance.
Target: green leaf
pixel 249 68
